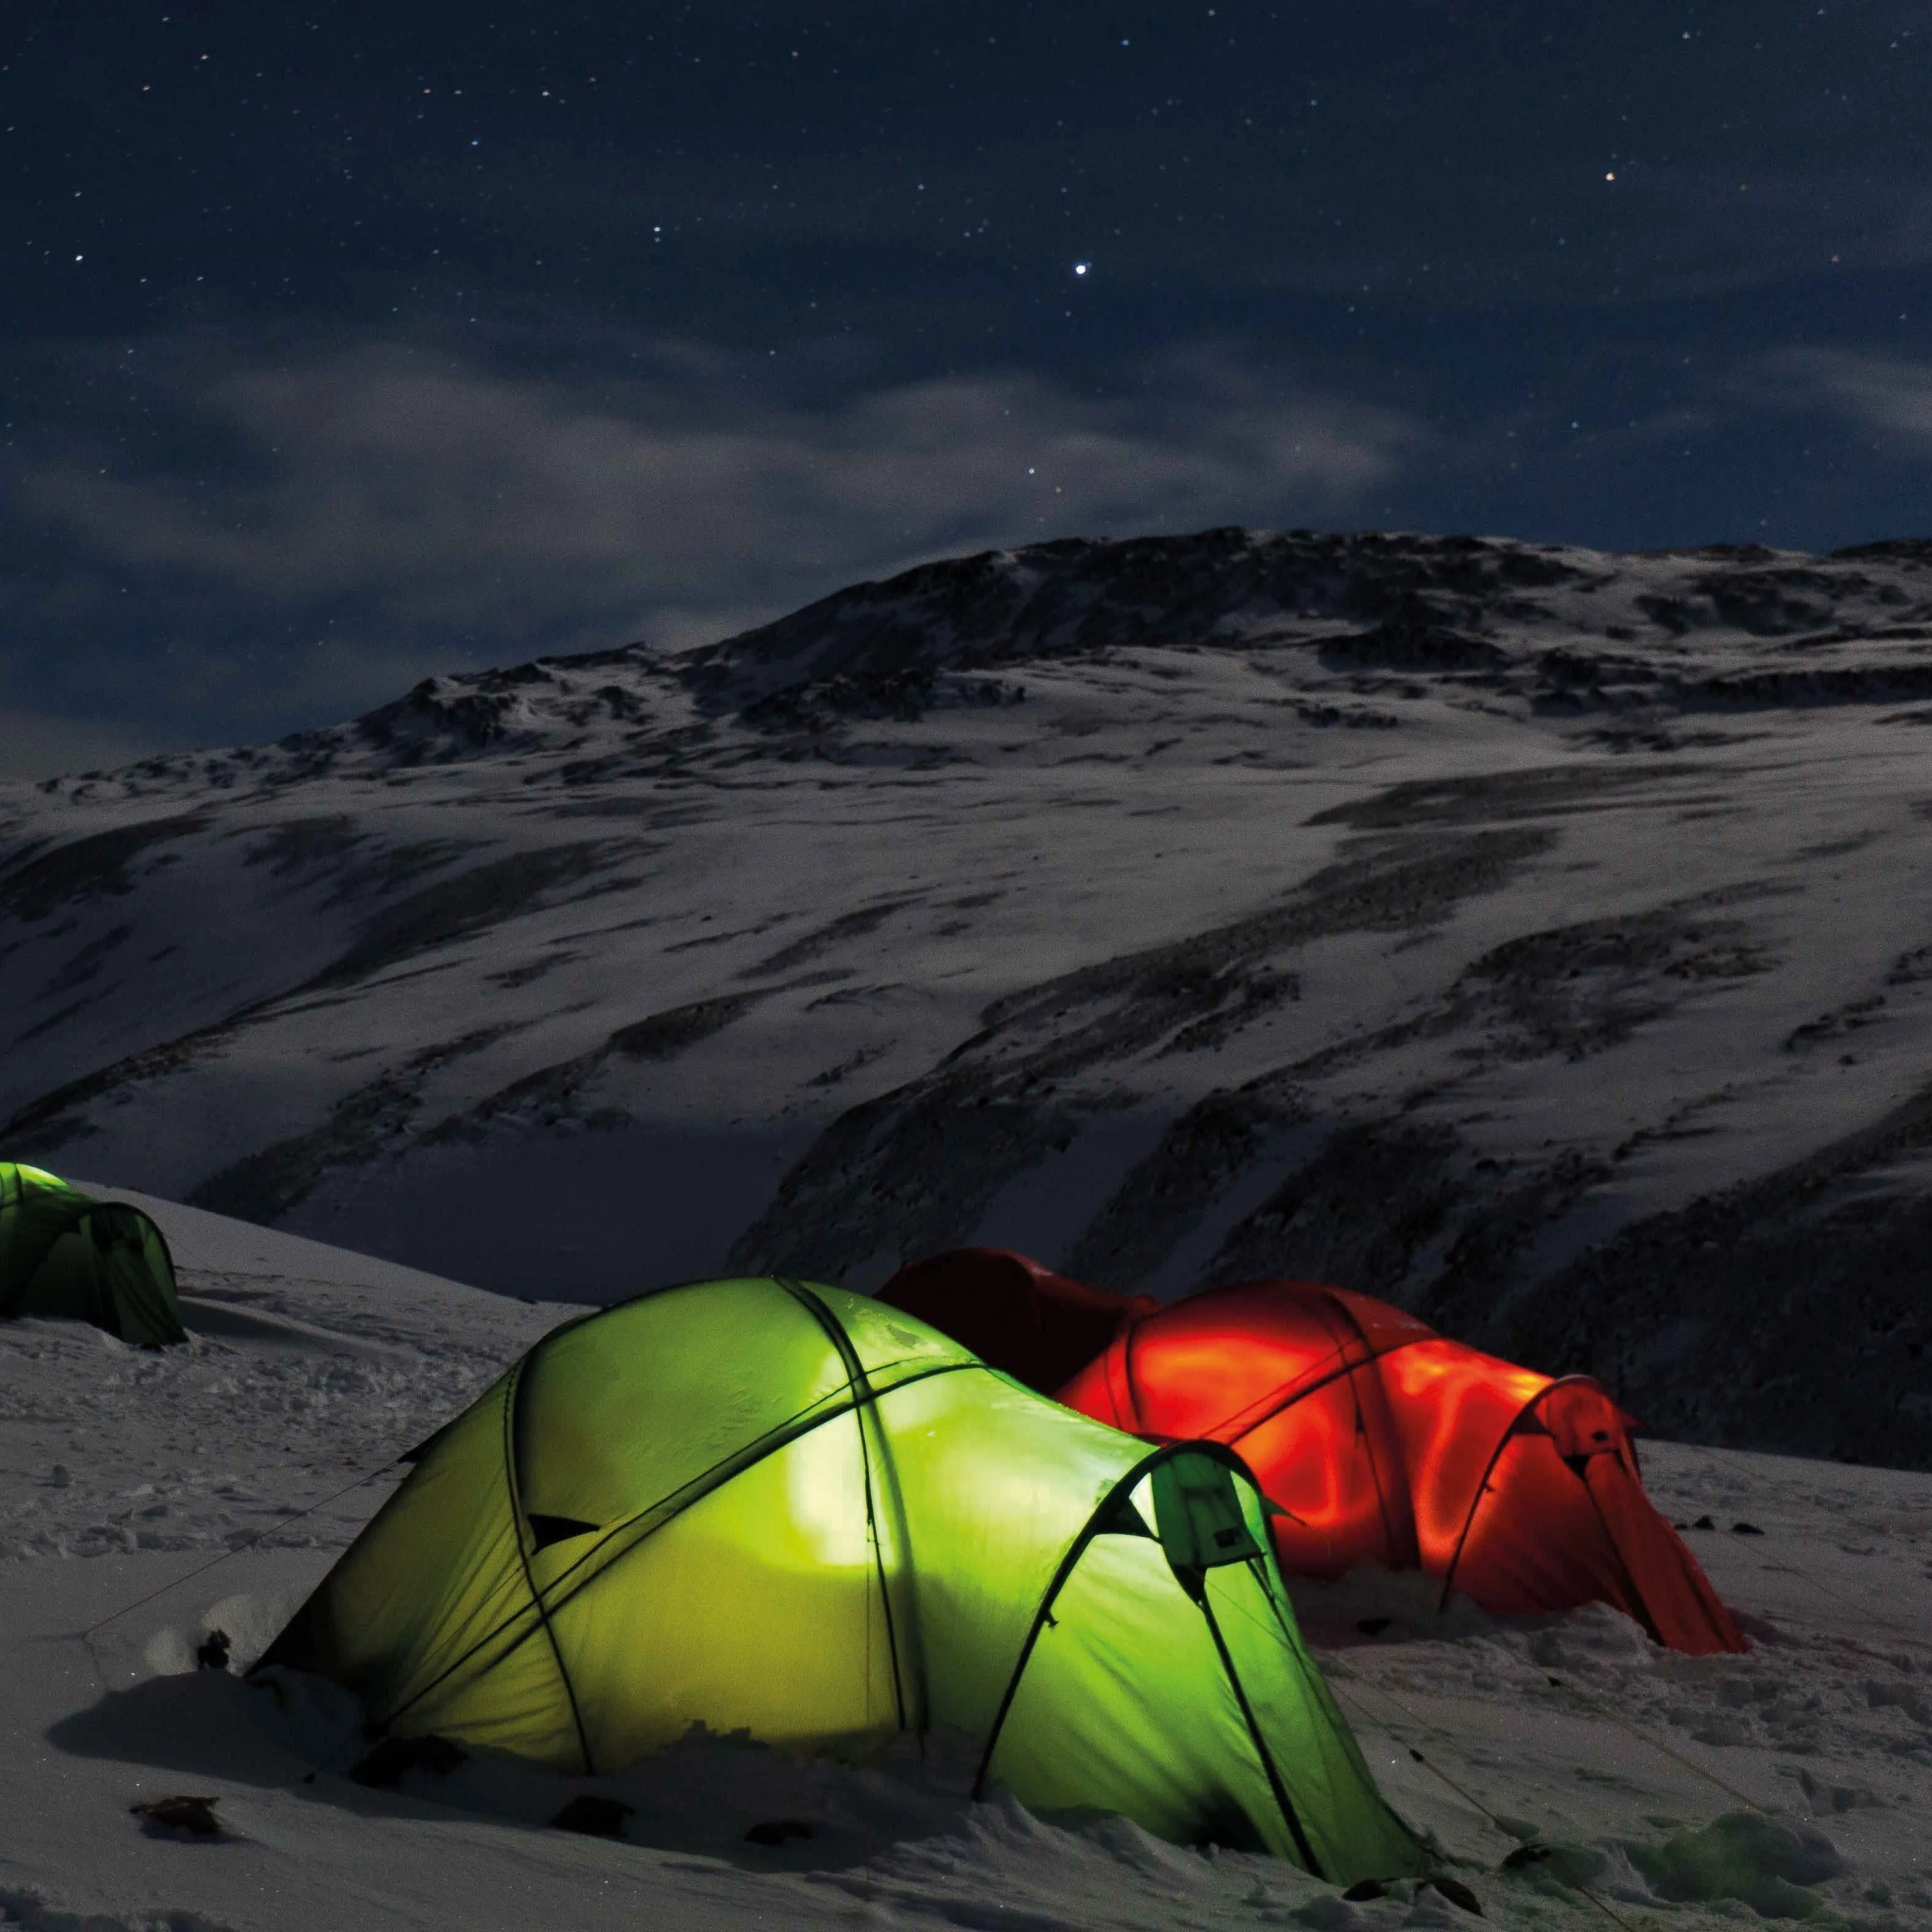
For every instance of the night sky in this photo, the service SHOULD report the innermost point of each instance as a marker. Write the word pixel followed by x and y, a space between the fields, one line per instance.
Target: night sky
pixel 343 344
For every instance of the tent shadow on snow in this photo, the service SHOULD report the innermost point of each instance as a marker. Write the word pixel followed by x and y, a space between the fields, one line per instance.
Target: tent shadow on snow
pixel 698 1799
pixel 207 1314
pixel 301 1736
pixel 204 1725
pixel 197 1724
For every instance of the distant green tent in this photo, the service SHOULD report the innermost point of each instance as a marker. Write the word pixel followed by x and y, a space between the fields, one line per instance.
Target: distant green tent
pixel 63 1253
pixel 764 1506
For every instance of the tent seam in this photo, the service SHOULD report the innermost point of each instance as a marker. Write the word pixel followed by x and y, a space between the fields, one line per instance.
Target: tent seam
pixel 775 1440
pixel 1298 1649
pixel 831 1415
pixel 1289 1815
pixel 512 1398
pixel 864 1400
pixel 1637 1597
pixel 1370 1357
pixel 1489 1469
pixel 1123 1486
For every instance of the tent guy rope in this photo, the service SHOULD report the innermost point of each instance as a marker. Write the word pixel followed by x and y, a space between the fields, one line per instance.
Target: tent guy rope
pixel 235 1549
pixel 1468 1797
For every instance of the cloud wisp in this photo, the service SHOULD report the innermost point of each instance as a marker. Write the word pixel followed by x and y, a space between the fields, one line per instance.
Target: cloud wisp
pixel 1889 398
pixel 453 496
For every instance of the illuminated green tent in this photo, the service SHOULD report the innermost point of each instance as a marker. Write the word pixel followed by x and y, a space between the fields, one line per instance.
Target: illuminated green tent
pixel 63 1253
pixel 764 1506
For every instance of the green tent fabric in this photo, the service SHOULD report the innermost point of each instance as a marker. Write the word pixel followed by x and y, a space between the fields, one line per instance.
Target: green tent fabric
pixel 763 1505
pixel 63 1253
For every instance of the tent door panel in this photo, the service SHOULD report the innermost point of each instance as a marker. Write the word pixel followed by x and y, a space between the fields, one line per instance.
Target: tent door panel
pixel 1336 1821
pixel 1092 1726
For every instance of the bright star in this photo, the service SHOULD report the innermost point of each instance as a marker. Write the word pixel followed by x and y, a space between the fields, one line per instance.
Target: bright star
pixel 1080 268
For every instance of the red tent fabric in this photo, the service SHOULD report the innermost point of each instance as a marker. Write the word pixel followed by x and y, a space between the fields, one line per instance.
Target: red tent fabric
pixel 1037 1326
pixel 1383 1442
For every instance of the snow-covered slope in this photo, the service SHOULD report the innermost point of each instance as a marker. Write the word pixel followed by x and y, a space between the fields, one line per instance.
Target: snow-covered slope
pixel 1672 1792
pixel 1538 937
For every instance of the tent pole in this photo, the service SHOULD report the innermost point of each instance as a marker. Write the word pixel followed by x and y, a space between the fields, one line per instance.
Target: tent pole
pixel 1310 1861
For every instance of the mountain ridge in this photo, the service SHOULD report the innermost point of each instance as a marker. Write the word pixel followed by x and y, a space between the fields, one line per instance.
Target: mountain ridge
pixel 1523 932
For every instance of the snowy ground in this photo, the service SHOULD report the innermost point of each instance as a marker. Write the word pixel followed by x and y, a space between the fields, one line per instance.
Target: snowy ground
pixel 1675 1792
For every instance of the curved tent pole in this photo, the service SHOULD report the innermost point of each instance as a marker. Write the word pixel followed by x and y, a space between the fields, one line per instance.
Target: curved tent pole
pixel 148 1220
pixel 1299 1649
pixel 1369 1357
pixel 700 1486
pixel 1373 1355
pixel 161 1235
pixel 1489 1469
pixel 112 1225
pixel 1108 1510
pixel 1107 1506
pixel 1623 1562
pixel 519 1517
pixel 1310 1861
pixel 865 1406
pixel 728 1467
pixel 1274 1403
pixel 167 1253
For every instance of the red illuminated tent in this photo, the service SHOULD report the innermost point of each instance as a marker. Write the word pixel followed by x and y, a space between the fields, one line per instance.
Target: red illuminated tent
pixel 1386 1444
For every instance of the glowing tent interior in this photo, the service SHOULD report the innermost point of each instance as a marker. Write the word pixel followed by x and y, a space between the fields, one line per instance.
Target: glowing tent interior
pixel 1385 1443
pixel 765 1505
pixel 65 1254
